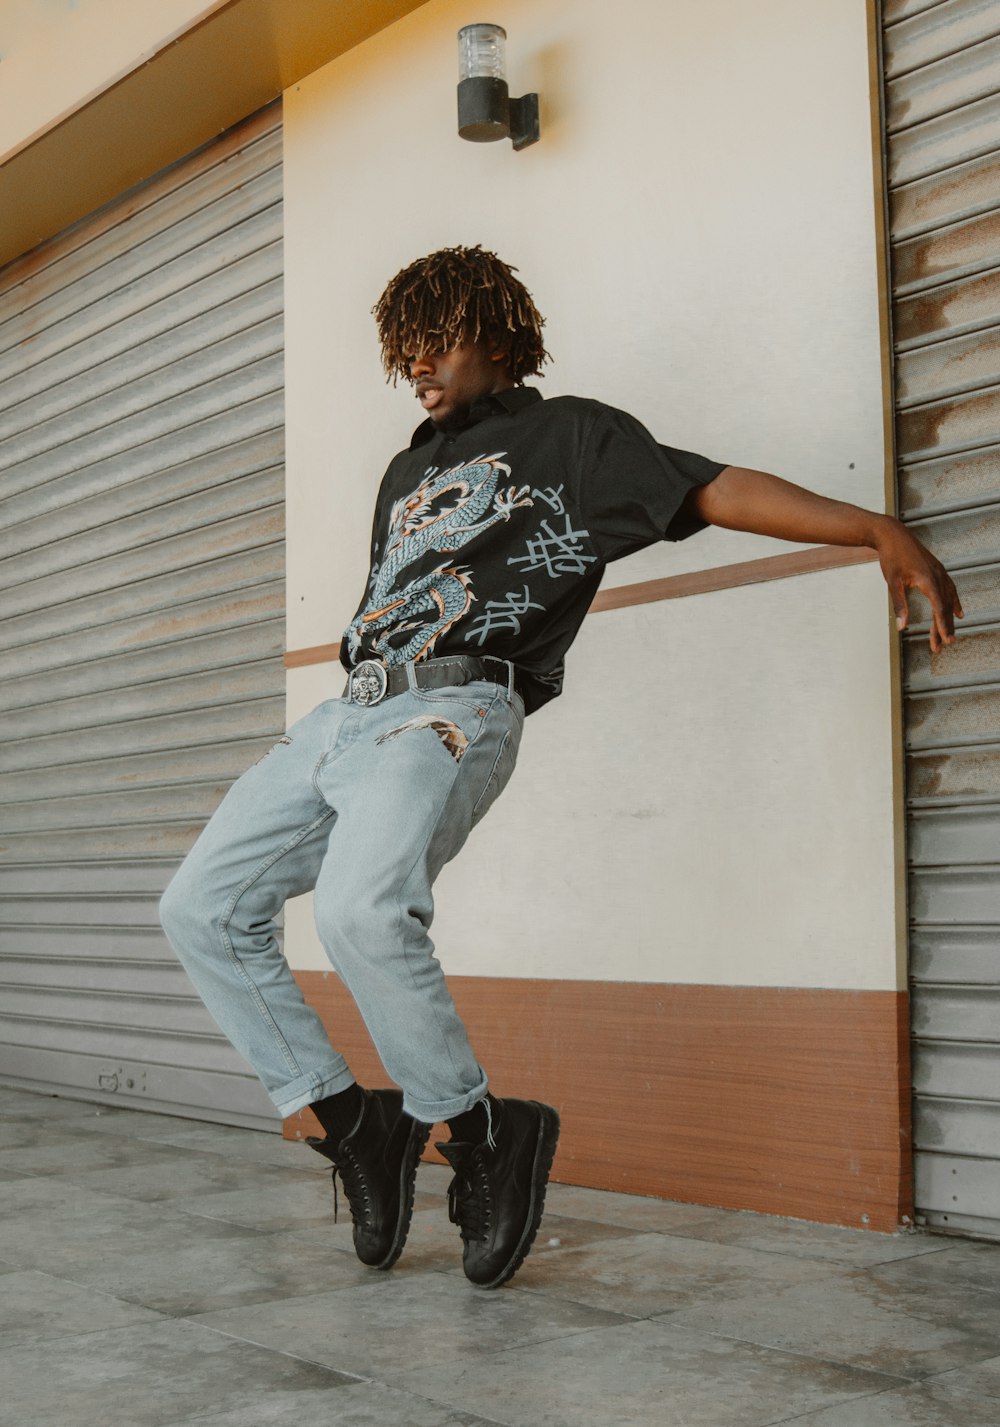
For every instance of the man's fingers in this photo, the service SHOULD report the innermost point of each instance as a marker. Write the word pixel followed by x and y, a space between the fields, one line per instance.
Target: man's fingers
pixel 943 610
pixel 945 605
pixel 941 619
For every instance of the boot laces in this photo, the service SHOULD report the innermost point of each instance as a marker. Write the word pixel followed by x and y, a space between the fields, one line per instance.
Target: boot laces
pixel 352 1177
pixel 470 1198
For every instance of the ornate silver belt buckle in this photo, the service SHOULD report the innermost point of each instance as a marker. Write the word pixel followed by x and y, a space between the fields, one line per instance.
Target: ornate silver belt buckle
pixel 368 683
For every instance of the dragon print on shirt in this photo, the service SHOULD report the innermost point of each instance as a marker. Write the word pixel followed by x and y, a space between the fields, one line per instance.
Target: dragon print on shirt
pixel 447 510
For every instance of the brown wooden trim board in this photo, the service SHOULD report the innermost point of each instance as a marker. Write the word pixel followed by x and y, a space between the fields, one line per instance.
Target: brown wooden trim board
pixel 730 577
pixel 784 1101
pixel 673 587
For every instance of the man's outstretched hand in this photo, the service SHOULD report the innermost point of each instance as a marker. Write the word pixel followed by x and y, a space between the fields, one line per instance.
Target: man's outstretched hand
pixel 908 565
pixel 742 499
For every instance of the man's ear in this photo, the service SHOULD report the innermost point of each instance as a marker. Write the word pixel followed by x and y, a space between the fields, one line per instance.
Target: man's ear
pixel 503 355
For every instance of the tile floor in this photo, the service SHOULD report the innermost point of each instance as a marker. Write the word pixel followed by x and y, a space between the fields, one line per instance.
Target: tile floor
pixel 157 1272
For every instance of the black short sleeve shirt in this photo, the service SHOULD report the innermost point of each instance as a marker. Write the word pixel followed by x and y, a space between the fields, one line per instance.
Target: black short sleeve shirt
pixel 492 538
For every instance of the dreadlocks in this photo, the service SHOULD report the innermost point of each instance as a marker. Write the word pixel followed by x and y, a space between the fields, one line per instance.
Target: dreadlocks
pixel 459 295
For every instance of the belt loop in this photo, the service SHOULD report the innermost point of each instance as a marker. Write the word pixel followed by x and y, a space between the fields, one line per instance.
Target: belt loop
pixel 411 676
pixel 510 681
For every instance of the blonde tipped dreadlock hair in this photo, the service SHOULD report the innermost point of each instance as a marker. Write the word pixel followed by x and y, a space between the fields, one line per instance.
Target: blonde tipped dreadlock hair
pixel 459 295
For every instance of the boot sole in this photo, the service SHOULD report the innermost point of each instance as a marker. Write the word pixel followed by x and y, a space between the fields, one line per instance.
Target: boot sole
pixel 545 1153
pixel 417 1139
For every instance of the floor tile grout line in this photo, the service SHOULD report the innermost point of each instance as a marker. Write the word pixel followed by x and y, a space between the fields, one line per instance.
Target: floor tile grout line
pixel 383 1279
pixel 773 1253
pixel 417 1367
pixel 479 1355
pixel 843 1266
pixel 892 1384
pixel 451 1407
pixel 278 1352
pixel 514 1348
pixel 786 1254
pixel 74 1176
pixel 366 1382
pixel 959 1368
pixel 579 1303
pixel 638 1317
pixel 94 1332
pixel 90 1288
pixel 709 1210
pixel 897 1382
pixel 848 1401
pixel 187 1316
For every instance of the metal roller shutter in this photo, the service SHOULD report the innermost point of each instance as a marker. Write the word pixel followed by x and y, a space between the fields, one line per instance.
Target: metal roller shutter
pixel 942 106
pixel 141 611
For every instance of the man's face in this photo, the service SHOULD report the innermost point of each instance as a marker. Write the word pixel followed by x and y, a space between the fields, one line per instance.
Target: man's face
pixel 447 383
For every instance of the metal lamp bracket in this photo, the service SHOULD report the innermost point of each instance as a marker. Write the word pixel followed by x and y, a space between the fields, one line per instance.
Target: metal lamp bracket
pixel 486 113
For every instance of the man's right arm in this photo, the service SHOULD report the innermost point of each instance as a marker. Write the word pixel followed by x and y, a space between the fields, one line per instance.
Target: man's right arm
pixel 742 499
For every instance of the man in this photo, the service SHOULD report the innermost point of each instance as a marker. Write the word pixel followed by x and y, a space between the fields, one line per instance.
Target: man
pixel 491 534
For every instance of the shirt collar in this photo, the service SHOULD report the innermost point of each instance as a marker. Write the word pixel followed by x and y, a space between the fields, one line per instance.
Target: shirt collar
pixel 509 402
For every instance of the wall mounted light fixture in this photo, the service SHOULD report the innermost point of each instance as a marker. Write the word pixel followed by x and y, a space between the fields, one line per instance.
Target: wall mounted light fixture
pixel 485 108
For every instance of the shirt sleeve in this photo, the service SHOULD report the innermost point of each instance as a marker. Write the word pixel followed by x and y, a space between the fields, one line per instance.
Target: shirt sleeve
pixel 633 489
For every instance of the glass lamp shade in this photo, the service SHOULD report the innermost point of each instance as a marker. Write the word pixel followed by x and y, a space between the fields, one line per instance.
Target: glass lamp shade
pixel 482 52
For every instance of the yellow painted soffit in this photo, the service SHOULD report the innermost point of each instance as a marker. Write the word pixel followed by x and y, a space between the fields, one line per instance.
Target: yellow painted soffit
pixel 236 60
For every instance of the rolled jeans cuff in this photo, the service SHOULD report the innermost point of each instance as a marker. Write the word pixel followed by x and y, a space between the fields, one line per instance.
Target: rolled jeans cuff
pixel 302 1092
pixel 432 1112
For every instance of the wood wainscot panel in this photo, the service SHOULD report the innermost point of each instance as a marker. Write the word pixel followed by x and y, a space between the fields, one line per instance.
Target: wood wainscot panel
pixel 783 1101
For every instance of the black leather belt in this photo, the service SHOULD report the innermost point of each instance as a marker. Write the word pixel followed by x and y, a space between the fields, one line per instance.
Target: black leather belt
pixel 371 681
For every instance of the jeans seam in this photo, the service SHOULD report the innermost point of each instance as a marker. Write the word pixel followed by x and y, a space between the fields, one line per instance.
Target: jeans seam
pixel 352 723
pixel 422 852
pixel 404 882
pixel 255 995
pixel 504 745
pixel 407 957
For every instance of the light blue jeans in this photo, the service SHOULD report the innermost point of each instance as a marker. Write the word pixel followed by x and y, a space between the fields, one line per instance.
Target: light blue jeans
pixel 365 805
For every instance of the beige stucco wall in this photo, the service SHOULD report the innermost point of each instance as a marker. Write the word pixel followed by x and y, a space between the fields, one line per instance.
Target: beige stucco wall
pixel 698 225
pixel 55 55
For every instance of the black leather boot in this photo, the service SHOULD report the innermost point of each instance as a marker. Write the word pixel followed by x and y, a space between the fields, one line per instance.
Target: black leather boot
pixel 498 1193
pixel 377 1164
